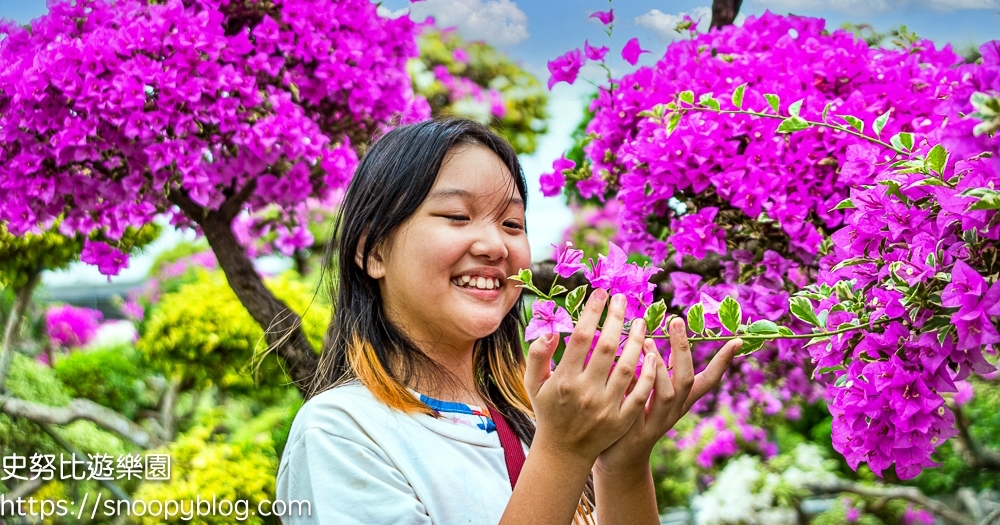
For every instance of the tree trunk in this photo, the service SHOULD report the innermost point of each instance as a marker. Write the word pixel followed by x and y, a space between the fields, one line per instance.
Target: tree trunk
pixel 13 326
pixel 724 12
pixel 282 327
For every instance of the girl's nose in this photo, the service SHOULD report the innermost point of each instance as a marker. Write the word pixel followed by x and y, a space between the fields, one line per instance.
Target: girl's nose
pixel 490 242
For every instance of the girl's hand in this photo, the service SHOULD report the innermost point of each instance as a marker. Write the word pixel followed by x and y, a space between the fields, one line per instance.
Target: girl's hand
pixel 580 408
pixel 672 398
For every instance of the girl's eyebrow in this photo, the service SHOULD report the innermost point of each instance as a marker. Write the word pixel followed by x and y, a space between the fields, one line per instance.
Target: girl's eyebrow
pixel 458 192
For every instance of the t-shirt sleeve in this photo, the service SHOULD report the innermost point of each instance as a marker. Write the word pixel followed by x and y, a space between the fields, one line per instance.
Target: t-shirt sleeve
pixel 345 483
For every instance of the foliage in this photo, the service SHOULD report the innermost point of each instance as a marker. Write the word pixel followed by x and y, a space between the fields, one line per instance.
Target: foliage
pixel 110 109
pixel 217 342
pixel 206 464
pixel 109 376
pixel 474 80
pixel 794 195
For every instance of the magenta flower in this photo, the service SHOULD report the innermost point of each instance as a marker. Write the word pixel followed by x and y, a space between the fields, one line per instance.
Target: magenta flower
pixel 568 260
pixel 71 326
pixel 616 275
pixel 461 55
pixel 594 53
pixel 552 182
pixel 631 51
pixel 606 17
pixel 109 261
pixel 565 68
pixel 976 302
pixel 547 318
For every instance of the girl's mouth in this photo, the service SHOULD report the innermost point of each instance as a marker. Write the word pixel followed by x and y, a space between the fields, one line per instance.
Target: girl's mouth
pixel 476 282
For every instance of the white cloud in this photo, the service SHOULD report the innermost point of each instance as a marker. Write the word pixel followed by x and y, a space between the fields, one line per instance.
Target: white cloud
pixel 664 24
pixel 869 7
pixel 386 13
pixel 497 22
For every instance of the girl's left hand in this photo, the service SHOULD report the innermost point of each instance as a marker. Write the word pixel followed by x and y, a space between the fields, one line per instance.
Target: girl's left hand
pixel 672 397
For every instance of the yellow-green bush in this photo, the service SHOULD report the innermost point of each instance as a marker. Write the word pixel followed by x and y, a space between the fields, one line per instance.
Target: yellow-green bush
pixel 203 334
pixel 207 463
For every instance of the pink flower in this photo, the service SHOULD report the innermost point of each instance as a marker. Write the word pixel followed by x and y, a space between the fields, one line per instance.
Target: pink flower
pixel 631 51
pixel 565 68
pixel 594 53
pixel 460 55
pixel 547 318
pixel 553 181
pixel 71 326
pixel 606 17
pixel 568 260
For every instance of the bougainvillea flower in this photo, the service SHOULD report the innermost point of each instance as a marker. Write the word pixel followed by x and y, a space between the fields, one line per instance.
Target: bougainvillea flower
pixel 631 51
pixel 547 318
pixel 606 17
pixel 552 182
pixel 565 68
pixel 594 53
pixel 568 260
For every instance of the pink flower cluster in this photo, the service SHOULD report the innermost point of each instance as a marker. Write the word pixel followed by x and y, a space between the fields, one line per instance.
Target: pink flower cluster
pixel 108 108
pixel 905 247
pixel 716 437
pixel 71 326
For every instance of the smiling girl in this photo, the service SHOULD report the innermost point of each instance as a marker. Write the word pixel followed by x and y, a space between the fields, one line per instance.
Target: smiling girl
pixel 424 407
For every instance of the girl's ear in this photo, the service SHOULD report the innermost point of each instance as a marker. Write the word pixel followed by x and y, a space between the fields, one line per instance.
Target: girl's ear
pixel 376 269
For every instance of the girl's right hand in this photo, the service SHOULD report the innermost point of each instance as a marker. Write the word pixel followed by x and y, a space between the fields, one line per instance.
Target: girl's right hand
pixel 581 407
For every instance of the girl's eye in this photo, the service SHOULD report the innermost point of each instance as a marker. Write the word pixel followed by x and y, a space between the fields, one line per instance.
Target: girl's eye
pixel 456 217
pixel 515 225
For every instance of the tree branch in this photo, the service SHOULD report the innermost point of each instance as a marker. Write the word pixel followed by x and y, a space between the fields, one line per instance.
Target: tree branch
pixel 992 519
pixel 61 441
pixel 79 409
pixel 232 206
pixel 13 326
pixel 911 494
pixel 977 456
pixel 724 12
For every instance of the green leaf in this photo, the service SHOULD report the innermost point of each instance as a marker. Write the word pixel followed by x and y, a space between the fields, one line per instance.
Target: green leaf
pixel 730 314
pixel 792 124
pixel 784 330
pixel 696 318
pixel 575 298
pixel 654 315
pixel 826 370
pixel 675 119
pixel 937 159
pixel 738 95
pixel 773 100
pixel 710 102
pixel 845 204
pixel 879 123
pixel 855 122
pixel 853 261
pixel 902 140
pixel 523 276
pixel 841 381
pixel 803 309
pixel 750 346
pixel 557 290
pixel 988 200
pixel 826 110
pixel 762 327
pixel 795 107
pixel 686 96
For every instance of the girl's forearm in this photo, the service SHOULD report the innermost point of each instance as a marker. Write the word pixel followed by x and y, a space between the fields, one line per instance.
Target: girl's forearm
pixel 548 489
pixel 626 497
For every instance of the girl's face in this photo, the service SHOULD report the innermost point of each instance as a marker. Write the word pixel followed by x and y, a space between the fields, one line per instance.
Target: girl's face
pixel 443 274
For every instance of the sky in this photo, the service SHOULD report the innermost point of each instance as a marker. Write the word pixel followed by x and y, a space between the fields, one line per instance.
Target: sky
pixel 532 32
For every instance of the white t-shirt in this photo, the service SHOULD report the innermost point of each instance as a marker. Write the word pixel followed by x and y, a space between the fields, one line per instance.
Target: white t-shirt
pixel 359 462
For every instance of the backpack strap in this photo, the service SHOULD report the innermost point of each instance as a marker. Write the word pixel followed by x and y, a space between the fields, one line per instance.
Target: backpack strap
pixel 513 452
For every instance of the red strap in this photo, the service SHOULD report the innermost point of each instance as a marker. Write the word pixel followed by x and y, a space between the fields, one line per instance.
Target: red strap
pixel 513 453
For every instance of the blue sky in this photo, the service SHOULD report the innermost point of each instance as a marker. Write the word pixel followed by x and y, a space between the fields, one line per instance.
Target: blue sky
pixel 536 31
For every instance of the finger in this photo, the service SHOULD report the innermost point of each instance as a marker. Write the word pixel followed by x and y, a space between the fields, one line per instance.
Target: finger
pixel 624 372
pixel 680 355
pixel 635 402
pixel 611 335
pixel 582 337
pixel 661 402
pixel 710 377
pixel 538 365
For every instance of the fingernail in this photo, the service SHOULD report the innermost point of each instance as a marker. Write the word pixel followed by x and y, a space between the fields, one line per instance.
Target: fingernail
pixel 599 294
pixel 639 324
pixel 618 300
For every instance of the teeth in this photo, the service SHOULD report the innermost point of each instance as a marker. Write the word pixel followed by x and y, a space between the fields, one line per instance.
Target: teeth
pixel 483 283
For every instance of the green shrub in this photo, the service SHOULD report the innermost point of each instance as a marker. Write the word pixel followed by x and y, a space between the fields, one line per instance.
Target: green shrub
pixel 108 376
pixel 203 334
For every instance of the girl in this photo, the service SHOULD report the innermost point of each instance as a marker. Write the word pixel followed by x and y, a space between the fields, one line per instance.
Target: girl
pixel 423 385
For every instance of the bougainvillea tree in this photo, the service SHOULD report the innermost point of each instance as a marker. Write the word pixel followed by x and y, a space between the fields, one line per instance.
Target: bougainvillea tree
pixel 845 200
pixel 114 112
